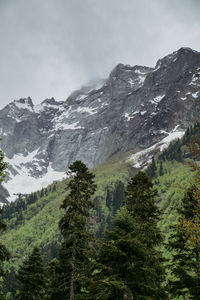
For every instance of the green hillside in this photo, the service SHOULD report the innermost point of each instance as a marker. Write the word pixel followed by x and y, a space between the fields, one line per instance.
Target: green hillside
pixel 36 224
pixel 33 221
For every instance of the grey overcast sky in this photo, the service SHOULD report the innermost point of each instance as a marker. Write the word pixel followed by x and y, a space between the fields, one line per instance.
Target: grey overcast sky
pixel 51 47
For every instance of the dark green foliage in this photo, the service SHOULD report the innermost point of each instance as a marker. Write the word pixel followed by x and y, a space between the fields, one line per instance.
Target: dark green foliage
pixel 140 199
pixel 10 284
pixel 32 278
pixel 101 227
pixel 15 210
pixel 140 202
pixel 129 264
pixel 74 255
pixel 118 196
pixel 4 254
pixel 115 197
pixel 50 251
pixel 3 166
pixel 54 187
pixel 152 169
pixel 42 192
pixel 109 198
pixel 109 222
pixel 185 265
pixel 54 289
pixel 161 172
pixel 115 261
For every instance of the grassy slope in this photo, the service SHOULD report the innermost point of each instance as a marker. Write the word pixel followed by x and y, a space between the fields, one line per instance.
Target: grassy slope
pixel 171 187
pixel 39 225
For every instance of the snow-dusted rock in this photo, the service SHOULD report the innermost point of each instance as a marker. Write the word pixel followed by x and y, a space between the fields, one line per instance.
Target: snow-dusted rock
pixel 135 108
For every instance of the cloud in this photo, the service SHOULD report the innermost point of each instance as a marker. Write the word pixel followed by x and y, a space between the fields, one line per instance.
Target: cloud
pixel 49 48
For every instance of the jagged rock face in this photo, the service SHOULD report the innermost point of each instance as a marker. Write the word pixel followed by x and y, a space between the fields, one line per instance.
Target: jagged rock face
pixel 135 108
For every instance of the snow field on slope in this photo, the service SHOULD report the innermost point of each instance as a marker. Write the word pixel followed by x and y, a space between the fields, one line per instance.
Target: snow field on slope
pixel 144 156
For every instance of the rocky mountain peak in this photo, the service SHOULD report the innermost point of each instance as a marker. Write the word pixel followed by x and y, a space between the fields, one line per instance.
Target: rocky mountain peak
pixel 185 56
pixel 137 108
pixel 23 103
pixel 50 101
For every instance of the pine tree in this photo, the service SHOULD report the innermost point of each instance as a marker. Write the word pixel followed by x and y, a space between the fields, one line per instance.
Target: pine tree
pixel 140 202
pixel 129 264
pixel 32 278
pixel 185 246
pixel 10 285
pixel 54 272
pixel 74 228
pixel 42 193
pixel 114 267
pixel 161 172
pixel 109 197
pixel 4 254
pixel 118 196
pixel 185 241
pixel 151 171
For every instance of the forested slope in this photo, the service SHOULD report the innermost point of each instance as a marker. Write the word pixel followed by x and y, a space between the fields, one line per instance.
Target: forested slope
pixel 33 220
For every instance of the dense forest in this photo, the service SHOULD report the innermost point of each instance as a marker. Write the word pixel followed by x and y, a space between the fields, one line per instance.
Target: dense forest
pixel 132 236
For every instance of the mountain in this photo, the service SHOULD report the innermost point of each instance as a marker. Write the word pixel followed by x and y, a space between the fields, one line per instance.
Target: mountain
pixel 33 220
pixel 137 109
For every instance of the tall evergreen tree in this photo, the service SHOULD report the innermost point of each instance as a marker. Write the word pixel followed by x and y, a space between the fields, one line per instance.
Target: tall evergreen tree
pixel 109 197
pixel 140 201
pixel 10 285
pixel 151 170
pixel 129 264
pixel 74 228
pixel 161 172
pixel 118 196
pixel 32 278
pixel 185 241
pixel 4 254
pixel 185 246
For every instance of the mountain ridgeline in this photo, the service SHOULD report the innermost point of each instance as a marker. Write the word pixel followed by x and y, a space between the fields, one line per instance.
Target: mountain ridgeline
pixel 134 109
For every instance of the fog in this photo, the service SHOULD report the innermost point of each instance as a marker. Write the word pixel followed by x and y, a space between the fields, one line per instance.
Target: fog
pixel 50 48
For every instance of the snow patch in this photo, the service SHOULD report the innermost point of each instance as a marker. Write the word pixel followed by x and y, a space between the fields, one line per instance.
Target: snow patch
pixel 140 72
pixel 131 82
pixel 128 117
pixel 173 135
pixel 64 126
pixel 143 112
pixel 195 79
pixel 157 99
pixel 25 105
pixel 195 95
pixel 88 110
pixel 138 158
pixel 38 108
pixel 19 159
pixel 81 97
pixel 136 112
pixel 28 184
pixel 141 80
pixel 141 158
